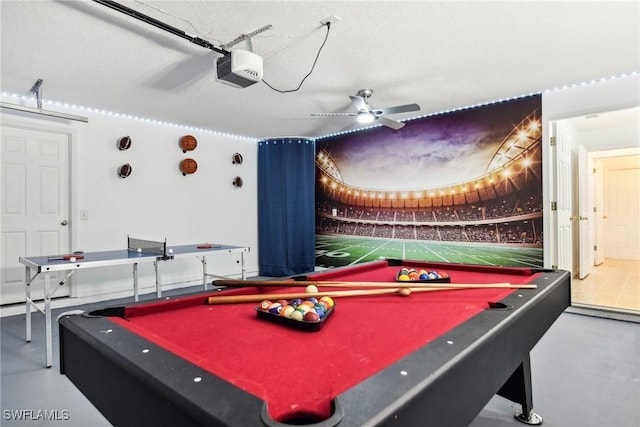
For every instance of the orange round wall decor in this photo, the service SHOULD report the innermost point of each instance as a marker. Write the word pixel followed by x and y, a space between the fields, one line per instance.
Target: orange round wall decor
pixel 188 143
pixel 188 166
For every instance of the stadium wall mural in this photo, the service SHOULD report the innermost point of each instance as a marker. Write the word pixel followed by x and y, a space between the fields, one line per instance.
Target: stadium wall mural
pixel 464 186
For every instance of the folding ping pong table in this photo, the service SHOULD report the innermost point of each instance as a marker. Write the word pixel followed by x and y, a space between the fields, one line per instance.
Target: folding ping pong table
pixel 46 265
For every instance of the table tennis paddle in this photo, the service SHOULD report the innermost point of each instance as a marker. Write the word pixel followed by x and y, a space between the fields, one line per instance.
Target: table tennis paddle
pixel 66 257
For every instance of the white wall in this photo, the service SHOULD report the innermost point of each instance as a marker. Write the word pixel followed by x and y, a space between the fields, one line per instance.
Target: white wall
pixel 610 138
pixel 156 201
pixel 607 95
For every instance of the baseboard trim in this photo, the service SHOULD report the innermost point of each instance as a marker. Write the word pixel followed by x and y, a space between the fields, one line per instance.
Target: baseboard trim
pixel 605 312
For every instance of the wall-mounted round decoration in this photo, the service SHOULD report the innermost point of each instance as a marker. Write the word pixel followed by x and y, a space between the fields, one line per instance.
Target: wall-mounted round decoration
pixel 237 159
pixel 125 170
pixel 124 143
pixel 188 143
pixel 237 182
pixel 188 166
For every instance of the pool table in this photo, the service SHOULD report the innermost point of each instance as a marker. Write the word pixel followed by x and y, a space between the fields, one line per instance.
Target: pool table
pixel 431 358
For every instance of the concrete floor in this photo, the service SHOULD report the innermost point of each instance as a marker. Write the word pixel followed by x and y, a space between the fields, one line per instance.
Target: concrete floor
pixel 586 373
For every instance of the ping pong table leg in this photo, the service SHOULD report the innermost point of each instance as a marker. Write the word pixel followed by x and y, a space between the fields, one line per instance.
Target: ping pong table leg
pixel 242 265
pixel 47 320
pixel 158 284
pixel 204 272
pixel 135 281
pixel 27 294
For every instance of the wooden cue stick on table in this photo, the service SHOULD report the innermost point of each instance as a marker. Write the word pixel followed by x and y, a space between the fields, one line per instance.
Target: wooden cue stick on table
pixel 231 299
pixel 409 284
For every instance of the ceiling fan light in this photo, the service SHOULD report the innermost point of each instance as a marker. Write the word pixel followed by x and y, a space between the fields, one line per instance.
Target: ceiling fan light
pixel 366 118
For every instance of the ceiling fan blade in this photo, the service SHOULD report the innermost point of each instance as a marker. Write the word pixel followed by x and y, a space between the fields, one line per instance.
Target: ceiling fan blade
pixel 399 109
pixel 359 103
pixel 393 124
pixel 333 114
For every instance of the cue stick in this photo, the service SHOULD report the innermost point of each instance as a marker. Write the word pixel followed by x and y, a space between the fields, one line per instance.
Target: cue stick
pixel 232 299
pixel 408 284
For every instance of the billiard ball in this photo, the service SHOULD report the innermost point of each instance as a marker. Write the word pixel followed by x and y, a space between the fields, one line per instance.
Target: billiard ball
pixel 404 278
pixel 320 309
pixel 311 316
pixel 296 315
pixel 286 311
pixel 295 302
pixel 328 301
pixel 275 308
pixel 264 305
pixel 404 291
pixel 311 289
pixel 424 276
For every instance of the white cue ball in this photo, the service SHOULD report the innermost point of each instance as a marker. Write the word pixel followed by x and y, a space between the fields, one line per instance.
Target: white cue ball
pixel 170 251
pixel 311 289
pixel 139 250
pixel 72 259
pixel 405 291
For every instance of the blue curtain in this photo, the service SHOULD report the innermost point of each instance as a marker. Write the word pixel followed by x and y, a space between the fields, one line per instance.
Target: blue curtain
pixel 286 206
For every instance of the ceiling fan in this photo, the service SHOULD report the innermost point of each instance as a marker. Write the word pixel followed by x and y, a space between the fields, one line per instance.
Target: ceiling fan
pixel 367 114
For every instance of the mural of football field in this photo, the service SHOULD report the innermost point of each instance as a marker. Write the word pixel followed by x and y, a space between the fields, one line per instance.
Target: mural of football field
pixel 339 251
pixel 462 187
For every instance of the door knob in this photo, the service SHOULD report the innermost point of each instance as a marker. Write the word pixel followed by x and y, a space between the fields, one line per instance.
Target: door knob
pixel 64 222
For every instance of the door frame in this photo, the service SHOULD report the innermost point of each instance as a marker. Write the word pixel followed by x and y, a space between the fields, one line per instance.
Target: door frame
pixel 43 125
pixel 586 214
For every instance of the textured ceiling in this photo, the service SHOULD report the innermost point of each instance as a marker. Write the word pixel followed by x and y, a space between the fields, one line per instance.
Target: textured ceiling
pixel 439 54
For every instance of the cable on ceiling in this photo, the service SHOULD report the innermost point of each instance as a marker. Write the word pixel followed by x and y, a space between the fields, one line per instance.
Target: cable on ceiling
pixel 328 24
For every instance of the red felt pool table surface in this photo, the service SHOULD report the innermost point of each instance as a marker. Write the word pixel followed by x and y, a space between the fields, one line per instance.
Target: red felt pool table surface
pixel 299 372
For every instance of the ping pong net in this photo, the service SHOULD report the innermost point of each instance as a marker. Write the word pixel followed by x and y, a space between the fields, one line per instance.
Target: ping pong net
pixel 147 246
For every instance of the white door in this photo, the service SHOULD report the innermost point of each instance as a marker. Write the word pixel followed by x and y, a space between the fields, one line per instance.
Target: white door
pixel 564 185
pixel 35 204
pixel 622 213
pixel 585 242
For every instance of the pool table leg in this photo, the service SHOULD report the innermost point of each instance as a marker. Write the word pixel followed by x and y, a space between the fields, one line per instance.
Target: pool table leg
pixel 518 389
